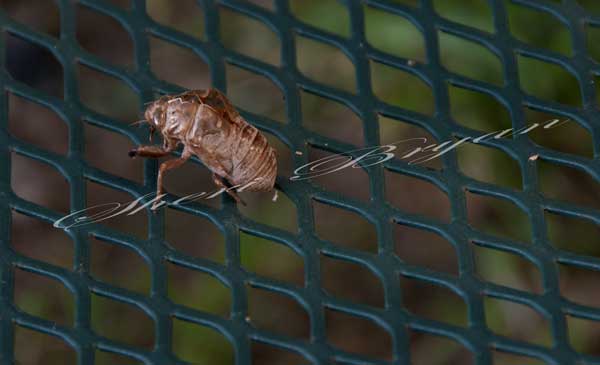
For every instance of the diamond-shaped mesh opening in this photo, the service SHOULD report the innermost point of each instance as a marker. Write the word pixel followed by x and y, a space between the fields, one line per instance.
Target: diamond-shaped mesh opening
pixel 478 243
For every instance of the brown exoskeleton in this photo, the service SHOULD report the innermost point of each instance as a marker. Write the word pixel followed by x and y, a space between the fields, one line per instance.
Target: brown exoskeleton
pixel 208 126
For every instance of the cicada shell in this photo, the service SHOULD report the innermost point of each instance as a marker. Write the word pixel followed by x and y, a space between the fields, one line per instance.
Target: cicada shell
pixel 208 126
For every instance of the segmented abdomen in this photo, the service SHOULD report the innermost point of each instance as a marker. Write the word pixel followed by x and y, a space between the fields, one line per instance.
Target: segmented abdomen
pixel 253 159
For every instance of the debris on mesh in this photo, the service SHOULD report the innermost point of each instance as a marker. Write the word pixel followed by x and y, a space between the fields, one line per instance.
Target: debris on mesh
pixel 533 157
pixel 275 196
pixel 299 153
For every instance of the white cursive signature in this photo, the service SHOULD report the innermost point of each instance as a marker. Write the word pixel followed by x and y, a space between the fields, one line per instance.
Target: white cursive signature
pixel 327 165
pixel 381 154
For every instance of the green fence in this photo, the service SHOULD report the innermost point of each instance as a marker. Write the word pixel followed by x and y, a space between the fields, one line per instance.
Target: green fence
pixel 432 68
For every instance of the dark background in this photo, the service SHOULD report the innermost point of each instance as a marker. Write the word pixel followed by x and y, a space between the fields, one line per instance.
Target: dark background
pixel 107 150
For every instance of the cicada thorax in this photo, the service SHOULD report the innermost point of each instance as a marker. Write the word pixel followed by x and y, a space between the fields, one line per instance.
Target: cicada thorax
pixel 179 116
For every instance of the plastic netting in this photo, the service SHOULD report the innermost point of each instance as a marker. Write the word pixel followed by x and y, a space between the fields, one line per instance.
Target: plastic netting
pixel 476 336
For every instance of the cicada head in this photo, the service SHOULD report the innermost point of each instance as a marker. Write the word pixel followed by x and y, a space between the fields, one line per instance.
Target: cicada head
pixel 155 115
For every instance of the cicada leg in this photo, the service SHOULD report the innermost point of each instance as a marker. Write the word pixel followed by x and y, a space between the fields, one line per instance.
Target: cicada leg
pixel 154 151
pixel 149 151
pixel 164 167
pixel 231 192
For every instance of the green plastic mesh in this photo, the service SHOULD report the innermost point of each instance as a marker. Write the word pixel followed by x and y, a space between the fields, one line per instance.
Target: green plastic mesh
pixel 476 336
